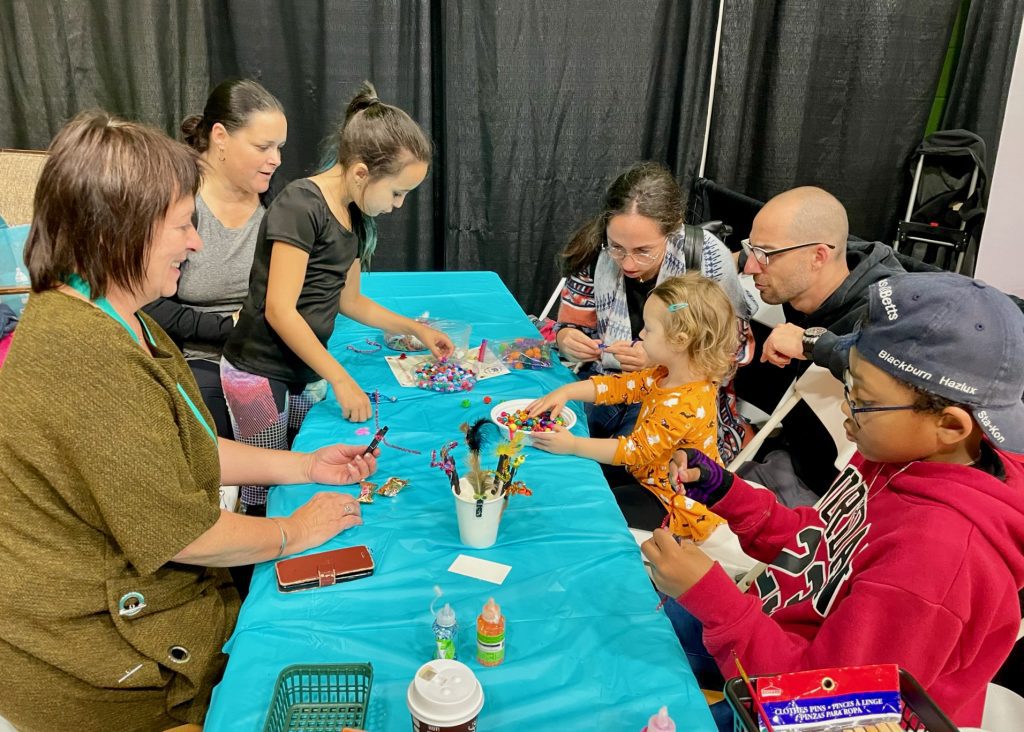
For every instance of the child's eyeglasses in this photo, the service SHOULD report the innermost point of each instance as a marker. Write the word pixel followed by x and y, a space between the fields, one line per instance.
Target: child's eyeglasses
pixel 855 410
pixel 762 255
pixel 643 256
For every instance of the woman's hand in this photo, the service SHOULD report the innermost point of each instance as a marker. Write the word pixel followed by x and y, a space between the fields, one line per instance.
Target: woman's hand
pixel 559 441
pixel 340 464
pixel 439 343
pixel 355 405
pixel 323 517
pixel 554 401
pixel 575 344
pixel 675 566
pixel 630 354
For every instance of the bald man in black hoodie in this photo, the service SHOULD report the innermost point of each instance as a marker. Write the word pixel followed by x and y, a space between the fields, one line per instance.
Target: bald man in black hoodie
pixel 799 257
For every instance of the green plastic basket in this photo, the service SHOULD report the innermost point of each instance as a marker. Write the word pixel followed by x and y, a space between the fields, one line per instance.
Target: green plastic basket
pixel 320 698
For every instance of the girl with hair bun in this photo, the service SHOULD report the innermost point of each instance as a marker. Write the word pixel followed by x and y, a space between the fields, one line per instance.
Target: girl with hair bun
pixel 310 248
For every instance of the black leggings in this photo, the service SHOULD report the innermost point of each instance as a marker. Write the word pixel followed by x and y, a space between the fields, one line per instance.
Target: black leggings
pixel 207 375
pixel 641 508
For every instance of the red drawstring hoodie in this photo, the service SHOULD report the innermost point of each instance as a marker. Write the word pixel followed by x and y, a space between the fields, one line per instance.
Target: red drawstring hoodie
pixel 915 564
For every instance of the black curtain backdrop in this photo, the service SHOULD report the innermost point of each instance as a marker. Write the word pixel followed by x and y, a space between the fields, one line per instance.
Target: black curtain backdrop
pixel 142 60
pixel 544 104
pixel 313 55
pixel 814 92
pixel 534 107
pixel 977 98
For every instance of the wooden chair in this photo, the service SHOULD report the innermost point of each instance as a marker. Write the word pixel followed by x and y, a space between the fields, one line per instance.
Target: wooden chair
pixel 19 172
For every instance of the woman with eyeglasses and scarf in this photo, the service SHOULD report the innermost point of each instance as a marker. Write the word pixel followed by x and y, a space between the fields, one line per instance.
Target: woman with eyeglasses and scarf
pixel 612 263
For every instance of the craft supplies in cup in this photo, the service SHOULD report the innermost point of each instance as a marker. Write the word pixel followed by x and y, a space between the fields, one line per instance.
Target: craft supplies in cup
pixel 444 696
pixel 478 518
pixel 511 417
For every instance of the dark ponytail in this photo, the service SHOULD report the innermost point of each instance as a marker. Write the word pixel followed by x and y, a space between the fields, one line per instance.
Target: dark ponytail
pixel 648 189
pixel 379 135
pixel 231 104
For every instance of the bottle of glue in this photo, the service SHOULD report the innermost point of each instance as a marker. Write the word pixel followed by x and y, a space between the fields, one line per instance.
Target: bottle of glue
pixel 490 635
pixel 660 722
pixel 444 633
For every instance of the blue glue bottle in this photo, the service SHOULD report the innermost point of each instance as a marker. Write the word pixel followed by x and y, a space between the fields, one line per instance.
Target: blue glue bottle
pixel 660 722
pixel 445 629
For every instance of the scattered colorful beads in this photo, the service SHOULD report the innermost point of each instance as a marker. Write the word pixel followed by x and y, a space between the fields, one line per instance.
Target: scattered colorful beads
pixel 521 420
pixel 445 376
pixel 465 403
pixel 525 353
pixel 487 400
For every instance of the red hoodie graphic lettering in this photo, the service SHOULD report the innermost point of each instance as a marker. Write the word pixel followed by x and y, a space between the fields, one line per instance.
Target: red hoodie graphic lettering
pixel 917 565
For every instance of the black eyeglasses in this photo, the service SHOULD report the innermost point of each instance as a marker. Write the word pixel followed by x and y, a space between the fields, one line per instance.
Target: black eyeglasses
pixel 761 255
pixel 855 410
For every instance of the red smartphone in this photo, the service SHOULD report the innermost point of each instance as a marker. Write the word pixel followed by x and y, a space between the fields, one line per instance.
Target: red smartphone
pixel 324 569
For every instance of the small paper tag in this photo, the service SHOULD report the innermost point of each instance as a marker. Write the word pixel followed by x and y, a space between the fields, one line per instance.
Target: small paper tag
pixel 481 569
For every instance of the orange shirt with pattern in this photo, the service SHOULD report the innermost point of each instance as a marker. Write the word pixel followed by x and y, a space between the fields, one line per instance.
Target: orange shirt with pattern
pixel 670 419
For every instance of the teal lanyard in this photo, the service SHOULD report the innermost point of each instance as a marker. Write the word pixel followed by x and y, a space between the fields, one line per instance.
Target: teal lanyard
pixel 82 287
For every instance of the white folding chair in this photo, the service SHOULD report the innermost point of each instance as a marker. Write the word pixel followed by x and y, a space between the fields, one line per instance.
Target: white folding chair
pixel 824 395
pixel 551 300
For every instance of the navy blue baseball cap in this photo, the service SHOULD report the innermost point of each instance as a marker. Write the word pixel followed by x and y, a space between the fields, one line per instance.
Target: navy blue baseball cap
pixel 954 337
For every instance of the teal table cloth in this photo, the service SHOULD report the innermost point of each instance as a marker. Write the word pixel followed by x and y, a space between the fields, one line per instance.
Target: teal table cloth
pixel 586 648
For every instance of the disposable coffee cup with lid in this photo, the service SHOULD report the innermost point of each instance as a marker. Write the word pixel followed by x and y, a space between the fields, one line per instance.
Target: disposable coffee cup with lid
pixel 444 696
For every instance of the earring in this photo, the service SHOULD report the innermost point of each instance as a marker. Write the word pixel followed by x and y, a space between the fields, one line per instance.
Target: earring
pixel 221 156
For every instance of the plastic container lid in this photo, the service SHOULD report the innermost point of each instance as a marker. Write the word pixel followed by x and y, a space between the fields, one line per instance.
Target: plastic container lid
pixel 445 693
pixel 661 722
pixel 492 611
pixel 445 616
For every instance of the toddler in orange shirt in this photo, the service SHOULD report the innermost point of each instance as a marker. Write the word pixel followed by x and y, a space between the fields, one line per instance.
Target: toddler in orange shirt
pixel 690 339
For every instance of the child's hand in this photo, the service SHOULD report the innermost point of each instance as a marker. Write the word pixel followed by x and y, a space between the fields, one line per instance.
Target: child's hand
pixel 559 441
pixel 697 476
pixel 631 356
pixel 676 566
pixel 355 405
pixel 553 401
pixel 575 344
pixel 439 343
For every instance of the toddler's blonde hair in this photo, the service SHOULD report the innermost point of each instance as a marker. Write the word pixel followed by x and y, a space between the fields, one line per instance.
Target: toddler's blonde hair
pixel 706 329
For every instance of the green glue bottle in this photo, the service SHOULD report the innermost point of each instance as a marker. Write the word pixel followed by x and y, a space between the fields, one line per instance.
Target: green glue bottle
pixel 444 633
pixel 490 635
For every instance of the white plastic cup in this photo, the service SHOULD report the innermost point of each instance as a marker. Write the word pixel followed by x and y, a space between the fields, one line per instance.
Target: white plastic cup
pixel 444 696
pixel 477 531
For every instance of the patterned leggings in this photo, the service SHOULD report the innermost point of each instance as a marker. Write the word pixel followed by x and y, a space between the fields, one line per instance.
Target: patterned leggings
pixel 265 413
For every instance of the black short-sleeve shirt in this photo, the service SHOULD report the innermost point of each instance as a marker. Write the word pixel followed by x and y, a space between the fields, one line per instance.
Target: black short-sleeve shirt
pixel 299 217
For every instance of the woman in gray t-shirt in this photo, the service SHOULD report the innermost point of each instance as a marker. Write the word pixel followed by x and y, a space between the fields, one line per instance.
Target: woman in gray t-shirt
pixel 239 136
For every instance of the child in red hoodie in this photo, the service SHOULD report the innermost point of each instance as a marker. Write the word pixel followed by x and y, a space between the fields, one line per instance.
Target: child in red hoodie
pixel 916 554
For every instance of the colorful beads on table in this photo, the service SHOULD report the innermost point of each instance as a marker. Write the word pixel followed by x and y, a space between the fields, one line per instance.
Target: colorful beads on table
pixel 487 400
pixel 445 376
pixel 465 403
pixel 521 420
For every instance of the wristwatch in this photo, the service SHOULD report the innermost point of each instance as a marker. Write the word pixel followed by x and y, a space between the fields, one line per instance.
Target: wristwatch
pixel 810 338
